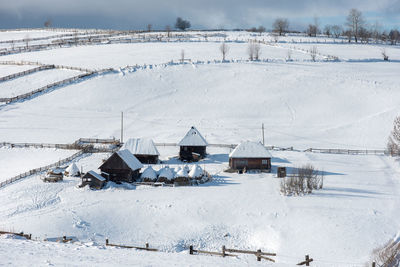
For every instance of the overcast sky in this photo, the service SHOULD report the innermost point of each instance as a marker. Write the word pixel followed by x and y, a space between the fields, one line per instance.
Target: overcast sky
pixel 228 14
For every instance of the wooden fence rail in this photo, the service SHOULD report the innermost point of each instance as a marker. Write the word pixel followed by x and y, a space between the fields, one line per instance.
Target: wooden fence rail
pixel 44 88
pixel 26 72
pixel 146 247
pixel 41 169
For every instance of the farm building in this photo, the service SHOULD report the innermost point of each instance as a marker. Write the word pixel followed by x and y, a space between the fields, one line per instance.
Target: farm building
pixel 122 166
pixel 94 180
pixel 250 156
pixel 192 146
pixel 143 149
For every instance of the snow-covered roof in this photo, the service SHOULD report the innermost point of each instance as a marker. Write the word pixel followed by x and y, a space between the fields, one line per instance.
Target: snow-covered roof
pixel 182 173
pixel 166 172
pixel 72 169
pixel 98 176
pixel 193 138
pixel 130 159
pixel 150 173
pixel 196 172
pixel 141 146
pixel 250 150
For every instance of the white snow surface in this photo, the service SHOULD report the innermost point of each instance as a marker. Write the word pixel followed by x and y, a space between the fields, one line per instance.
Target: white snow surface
pixel 193 138
pixel 141 146
pixel 250 149
pixel 347 104
pixel 14 161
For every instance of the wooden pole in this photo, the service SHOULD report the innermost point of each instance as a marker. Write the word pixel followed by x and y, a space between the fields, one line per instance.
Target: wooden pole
pixel 191 250
pixel 122 126
pixel 259 255
pixel 263 138
pixel 373 264
pixel 223 251
pixel 307 260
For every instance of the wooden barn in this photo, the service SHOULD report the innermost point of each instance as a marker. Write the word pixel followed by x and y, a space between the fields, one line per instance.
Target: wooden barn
pixel 122 166
pixel 94 180
pixel 250 156
pixel 143 149
pixel 192 146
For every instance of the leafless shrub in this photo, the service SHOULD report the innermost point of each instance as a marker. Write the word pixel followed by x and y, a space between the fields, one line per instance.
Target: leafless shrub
pixel 224 48
pixel 313 53
pixel 388 255
pixel 384 55
pixel 254 50
pixel 182 55
pixel 304 181
pixel 289 55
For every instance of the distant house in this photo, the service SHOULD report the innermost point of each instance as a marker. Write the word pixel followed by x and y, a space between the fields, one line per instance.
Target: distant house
pixel 250 155
pixel 192 146
pixel 143 149
pixel 94 180
pixel 122 166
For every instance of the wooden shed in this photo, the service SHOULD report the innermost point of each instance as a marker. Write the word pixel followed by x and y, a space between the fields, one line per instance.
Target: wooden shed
pixel 122 166
pixel 192 146
pixel 94 180
pixel 250 156
pixel 143 149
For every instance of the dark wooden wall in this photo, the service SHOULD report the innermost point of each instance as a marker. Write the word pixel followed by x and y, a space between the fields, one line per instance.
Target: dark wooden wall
pixel 250 163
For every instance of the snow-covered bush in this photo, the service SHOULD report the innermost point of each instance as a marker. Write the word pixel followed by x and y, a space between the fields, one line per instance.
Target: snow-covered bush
pixel 387 255
pixel 304 181
pixel 313 53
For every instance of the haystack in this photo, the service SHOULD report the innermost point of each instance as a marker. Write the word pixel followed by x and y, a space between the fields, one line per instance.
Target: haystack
pixel 182 176
pixel 149 175
pixel 165 175
pixel 196 172
pixel 72 171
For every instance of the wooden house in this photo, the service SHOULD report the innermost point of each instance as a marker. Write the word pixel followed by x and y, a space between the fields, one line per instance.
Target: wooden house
pixel 94 180
pixel 192 146
pixel 122 166
pixel 250 156
pixel 143 149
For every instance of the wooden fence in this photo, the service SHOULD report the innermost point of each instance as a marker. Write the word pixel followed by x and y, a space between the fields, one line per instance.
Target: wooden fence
pixel 349 151
pixel 26 72
pixel 44 88
pixel 41 169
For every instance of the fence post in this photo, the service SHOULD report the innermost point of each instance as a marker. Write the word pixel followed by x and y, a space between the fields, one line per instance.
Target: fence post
pixel 259 255
pixel 191 250
pixel 107 242
pixel 373 264
pixel 223 251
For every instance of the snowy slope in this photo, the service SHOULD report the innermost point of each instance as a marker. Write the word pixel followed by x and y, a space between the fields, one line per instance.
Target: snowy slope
pixel 329 105
pixel 356 211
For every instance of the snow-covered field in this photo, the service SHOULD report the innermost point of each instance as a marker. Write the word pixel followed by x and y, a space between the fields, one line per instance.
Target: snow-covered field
pixel 23 34
pixel 6 70
pixel 14 161
pixel 33 81
pixel 356 211
pixel 301 103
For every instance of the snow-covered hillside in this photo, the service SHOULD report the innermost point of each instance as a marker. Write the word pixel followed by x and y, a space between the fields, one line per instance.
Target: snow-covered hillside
pixel 302 104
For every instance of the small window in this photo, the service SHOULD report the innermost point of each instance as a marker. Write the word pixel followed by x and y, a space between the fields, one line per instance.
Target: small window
pixel 264 162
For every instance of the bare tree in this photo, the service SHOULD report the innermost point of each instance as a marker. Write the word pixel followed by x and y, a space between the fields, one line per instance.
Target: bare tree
pixel 224 48
pixel 384 55
pixel 394 36
pixel 364 35
pixel 149 26
pixel 376 30
pixel 328 30
pixel 337 30
pixel 280 26
pixel 311 30
pixel 182 24
pixel 313 53
pixel 348 34
pixel 388 255
pixel 355 21
pixel 168 30
pixel 47 23
pixel 250 51
pixel 27 40
pixel 394 138
pixel 254 50
pixel 261 29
